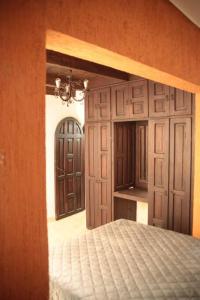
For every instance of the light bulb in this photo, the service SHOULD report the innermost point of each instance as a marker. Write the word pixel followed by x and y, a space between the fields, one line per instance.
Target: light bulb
pixel 58 82
pixel 85 83
pixel 67 88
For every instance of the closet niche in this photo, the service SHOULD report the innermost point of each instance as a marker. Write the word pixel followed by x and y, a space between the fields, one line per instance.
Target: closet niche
pixel 139 154
pixel 130 167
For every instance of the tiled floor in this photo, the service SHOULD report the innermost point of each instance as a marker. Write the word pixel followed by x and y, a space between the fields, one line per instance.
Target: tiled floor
pixel 67 228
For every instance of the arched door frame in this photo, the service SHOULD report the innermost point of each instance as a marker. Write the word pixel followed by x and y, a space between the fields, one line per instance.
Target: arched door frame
pixel 82 162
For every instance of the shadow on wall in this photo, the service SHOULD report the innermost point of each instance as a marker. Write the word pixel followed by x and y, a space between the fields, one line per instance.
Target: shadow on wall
pixel 55 111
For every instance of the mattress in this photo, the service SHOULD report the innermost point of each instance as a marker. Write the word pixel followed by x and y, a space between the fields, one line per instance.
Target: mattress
pixel 125 260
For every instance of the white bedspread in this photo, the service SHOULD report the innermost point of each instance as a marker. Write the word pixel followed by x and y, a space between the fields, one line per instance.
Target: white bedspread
pixel 126 260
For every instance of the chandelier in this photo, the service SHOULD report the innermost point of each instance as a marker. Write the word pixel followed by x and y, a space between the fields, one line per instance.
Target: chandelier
pixel 71 90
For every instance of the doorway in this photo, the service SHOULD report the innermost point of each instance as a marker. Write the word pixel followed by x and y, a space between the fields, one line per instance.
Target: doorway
pixel 69 168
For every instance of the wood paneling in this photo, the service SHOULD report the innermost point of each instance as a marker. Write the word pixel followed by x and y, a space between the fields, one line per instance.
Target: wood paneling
pixel 60 59
pixel 90 106
pixel 180 102
pixel 141 156
pixel 158 172
pixel 158 99
pixel 103 104
pixel 180 175
pixel 120 102
pixel 124 150
pixel 98 174
pixel 91 172
pixel 125 209
pixel 133 194
pixel 129 100
pixel 103 196
pixel 131 154
pixel 196 170
pixel 97 105
pixel 138 99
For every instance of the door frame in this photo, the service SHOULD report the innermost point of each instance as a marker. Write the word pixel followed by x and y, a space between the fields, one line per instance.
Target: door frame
pixel 57 217
pixel 69 45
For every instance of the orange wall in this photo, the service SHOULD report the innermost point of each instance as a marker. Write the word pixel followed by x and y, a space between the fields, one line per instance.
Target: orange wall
pixel 149 31
pixel 152 32
pixel 23 232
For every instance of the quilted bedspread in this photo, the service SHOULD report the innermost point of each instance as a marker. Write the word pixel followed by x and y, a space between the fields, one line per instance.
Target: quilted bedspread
pixel 126 260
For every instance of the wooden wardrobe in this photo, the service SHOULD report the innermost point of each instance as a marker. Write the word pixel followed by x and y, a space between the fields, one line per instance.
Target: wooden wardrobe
pixel 139 137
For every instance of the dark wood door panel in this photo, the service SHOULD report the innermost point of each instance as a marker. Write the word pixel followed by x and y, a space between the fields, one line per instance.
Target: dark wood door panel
pixel 180 102
pixel 69 167
pixel 141 149
pixel 158 99
pixel 91 106
pixel 98 173
pixel 124 155
pixel 97 105
pixel 103 181
pixel 103 104
pixel 91 171
pixel 104 211
pixel 158 172
pixel 90 196
pixel 138 99
pixel 125 209
pixel 180 175
pixel 120 102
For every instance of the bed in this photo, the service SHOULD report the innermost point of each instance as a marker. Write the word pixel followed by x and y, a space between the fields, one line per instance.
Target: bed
pixel 125 260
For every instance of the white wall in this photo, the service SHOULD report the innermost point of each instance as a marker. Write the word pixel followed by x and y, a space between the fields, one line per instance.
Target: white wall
pixel 55 111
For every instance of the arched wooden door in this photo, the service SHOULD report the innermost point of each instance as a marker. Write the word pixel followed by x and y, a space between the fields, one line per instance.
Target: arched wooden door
pixel 69 164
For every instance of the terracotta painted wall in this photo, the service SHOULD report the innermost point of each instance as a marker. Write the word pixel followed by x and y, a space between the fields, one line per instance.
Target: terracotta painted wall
pixel 148 31
pixel 153 32
pixel 23 230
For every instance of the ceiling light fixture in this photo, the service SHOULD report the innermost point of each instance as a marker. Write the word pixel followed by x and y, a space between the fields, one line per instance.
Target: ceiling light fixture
pixel 71 90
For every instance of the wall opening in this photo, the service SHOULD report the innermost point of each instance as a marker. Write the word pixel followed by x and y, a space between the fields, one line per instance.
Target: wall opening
pixel 71 46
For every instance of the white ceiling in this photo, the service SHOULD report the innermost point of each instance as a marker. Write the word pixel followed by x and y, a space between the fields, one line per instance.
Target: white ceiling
pixel 190 8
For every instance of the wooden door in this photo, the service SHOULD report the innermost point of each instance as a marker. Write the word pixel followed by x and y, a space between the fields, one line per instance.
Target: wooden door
pixel 158 172
pixel 103 104
pixel 103 180
pixel 97 105
pixel 69 168
pixel 120 102
pixel 141 149
pixel 98 174
pixel 123 155
pixel 158 99
pixel 91 102
pixel 138 99
pixel 180 175
pixel 91 172
pixel 180 102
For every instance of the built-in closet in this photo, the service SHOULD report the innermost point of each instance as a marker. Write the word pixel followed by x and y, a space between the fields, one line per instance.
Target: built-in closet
pixel 139 137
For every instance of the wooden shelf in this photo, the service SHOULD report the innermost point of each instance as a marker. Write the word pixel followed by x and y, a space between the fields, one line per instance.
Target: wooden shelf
pixel 132 194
